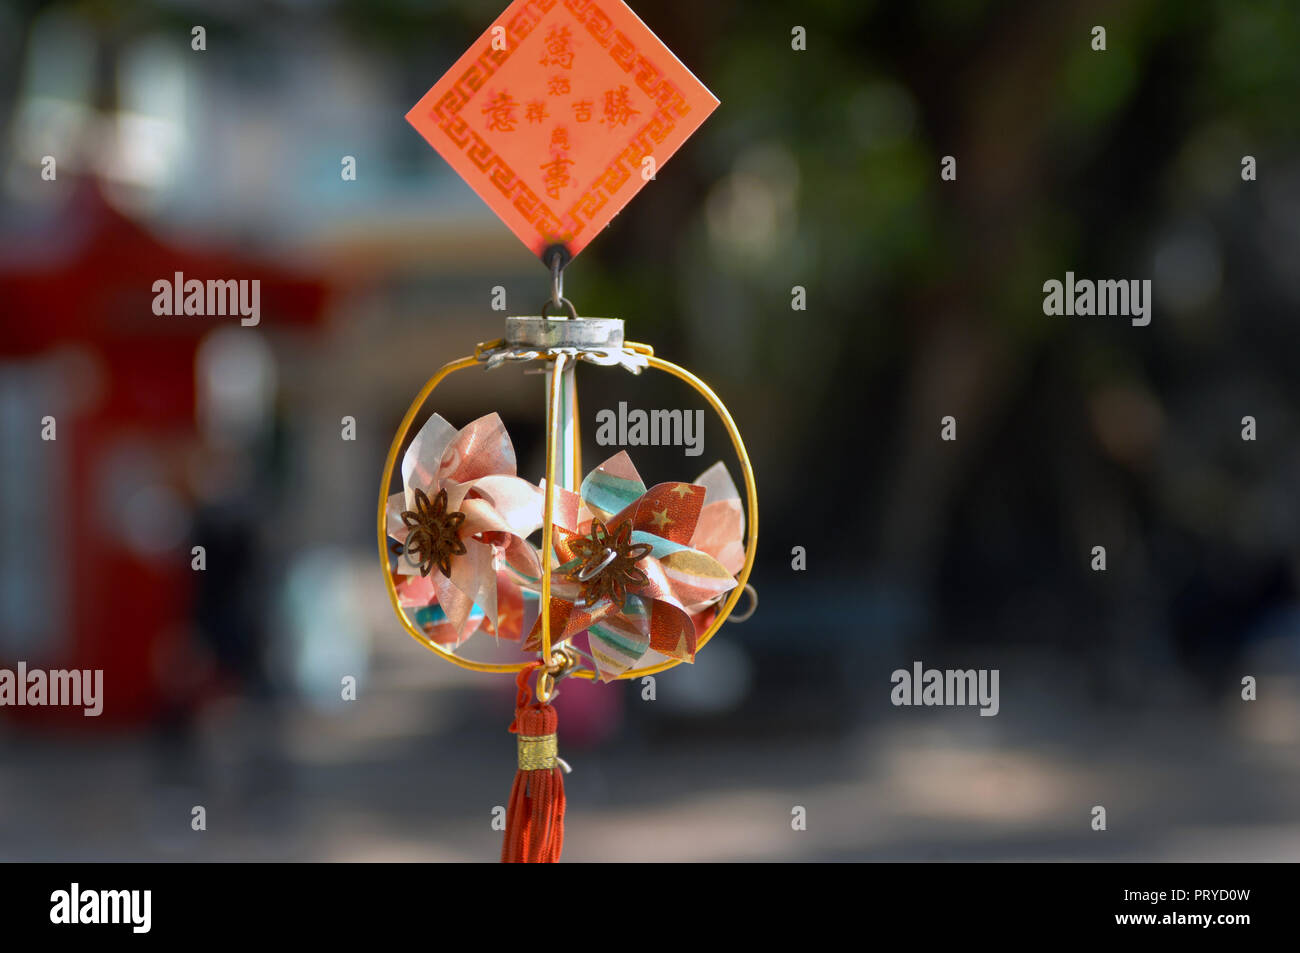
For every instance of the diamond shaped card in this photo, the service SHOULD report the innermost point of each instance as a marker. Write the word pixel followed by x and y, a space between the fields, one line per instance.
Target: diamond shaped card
pixel 550 115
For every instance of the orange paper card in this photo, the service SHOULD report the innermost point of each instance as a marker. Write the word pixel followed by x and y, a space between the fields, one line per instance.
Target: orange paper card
pixel 551 114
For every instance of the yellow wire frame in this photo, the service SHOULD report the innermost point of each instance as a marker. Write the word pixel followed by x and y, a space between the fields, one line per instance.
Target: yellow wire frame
pixel 703 389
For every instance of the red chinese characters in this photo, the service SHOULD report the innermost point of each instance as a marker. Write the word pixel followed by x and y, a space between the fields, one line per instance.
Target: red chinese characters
pixel 550 115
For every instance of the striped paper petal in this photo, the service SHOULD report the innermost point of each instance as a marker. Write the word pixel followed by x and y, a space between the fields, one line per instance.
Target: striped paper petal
pixel 618 641
pixel 433 622
pixel 696 578
pixel 612 486
pixel 720 531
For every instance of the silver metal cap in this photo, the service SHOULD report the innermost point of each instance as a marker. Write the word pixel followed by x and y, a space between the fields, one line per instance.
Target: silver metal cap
pixel 544 333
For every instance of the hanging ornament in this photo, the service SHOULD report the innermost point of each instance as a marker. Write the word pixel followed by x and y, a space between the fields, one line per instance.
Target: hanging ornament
pixel 557 116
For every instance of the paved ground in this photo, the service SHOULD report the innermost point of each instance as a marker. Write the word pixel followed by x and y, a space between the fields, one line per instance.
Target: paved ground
pixel 412 770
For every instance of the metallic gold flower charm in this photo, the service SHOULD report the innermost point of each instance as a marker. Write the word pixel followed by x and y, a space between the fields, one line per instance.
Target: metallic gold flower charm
pixel 608 564
pixel 432 537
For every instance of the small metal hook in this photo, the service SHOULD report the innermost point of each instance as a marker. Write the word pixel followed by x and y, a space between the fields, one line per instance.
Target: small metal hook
pixel 562 663
pixel 557 278
pixel 556 258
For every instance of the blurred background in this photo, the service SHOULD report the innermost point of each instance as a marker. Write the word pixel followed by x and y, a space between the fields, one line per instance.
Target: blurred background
pixel 924 299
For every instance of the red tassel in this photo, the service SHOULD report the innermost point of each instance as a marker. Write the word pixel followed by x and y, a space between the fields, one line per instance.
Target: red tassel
pixel 535 816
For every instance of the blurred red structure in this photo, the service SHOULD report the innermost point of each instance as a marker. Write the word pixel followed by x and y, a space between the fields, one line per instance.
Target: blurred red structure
pixel 78 319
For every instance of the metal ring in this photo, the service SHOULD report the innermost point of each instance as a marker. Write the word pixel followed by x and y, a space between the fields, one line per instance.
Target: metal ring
pixel 586 575
pixel 563 303
pixel 753 606
pixel 563 661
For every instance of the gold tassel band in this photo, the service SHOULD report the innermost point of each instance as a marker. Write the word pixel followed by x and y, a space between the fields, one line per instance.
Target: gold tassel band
pixel 537 752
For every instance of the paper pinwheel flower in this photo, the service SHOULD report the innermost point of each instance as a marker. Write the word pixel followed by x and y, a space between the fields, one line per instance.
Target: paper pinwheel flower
pixel 719 532
pixel 628 574
pixel 459 531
